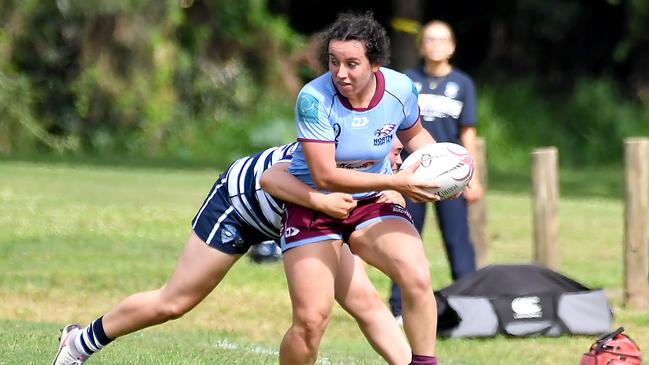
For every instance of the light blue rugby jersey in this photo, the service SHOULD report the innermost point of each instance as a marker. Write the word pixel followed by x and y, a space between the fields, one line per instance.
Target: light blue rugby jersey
pixel 363 137
pixel 257 208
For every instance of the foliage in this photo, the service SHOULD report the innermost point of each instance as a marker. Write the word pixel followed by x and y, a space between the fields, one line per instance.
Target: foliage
pixel 211 80
pixel 142 77
pixel 588 125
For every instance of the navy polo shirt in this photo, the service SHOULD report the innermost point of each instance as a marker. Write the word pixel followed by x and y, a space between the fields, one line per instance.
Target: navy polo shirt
pixel 446 103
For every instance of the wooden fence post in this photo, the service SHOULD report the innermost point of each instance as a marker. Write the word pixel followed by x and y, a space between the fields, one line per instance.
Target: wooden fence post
pixel 478 211
pixel 636 223
pixel 545 183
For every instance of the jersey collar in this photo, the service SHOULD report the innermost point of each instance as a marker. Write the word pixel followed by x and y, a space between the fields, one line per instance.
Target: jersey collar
pixel 378 94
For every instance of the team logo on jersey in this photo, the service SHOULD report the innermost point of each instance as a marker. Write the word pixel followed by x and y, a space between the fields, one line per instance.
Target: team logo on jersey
pixel 307 108
pixel 229 234
pixel 452 89
pixel 290 232
pixel 384 134
pixel 385 130
pixel 360 122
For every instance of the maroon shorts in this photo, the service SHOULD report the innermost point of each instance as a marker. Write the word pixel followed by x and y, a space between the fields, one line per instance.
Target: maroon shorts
pixel 303 225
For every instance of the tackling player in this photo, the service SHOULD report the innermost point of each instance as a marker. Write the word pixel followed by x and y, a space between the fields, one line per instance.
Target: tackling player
pixel 235 215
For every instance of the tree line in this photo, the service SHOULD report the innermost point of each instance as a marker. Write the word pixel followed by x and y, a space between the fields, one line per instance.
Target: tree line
pixel 214 79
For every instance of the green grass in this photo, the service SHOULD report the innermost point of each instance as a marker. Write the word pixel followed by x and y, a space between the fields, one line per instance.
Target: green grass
pixel 76 239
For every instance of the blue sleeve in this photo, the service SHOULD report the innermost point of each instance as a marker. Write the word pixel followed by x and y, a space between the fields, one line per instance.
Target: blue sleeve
pixel 469 114
pixel 311 118
pixel 410 107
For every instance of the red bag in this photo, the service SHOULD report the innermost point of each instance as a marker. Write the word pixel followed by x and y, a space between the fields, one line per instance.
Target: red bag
pixel 614 348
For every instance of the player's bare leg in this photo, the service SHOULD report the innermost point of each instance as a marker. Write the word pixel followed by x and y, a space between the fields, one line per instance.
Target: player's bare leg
pixel 310 271
pixel 198 271
pixel 356 294
pixel 406 264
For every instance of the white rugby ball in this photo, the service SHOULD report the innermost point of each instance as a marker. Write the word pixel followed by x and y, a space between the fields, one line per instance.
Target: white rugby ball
pixel 448 164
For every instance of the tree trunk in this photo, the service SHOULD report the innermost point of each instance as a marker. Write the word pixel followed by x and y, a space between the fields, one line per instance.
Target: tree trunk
pixel 403 35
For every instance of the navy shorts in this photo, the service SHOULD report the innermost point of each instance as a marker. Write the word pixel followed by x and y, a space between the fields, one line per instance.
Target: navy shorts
pixel 303 226
pixel 219 225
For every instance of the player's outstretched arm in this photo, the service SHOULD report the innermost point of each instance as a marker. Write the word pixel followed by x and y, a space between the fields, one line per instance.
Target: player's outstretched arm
pixel 278 182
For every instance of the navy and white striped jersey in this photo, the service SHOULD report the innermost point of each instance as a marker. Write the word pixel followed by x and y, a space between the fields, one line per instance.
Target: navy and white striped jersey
pixel 257 208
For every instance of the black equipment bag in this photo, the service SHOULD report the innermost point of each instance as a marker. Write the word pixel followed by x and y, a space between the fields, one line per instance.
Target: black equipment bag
pixel 521 300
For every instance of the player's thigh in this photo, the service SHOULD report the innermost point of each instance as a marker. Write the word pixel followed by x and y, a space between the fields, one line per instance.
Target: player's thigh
pixel 353 287
pixel 392 245
pixel 310 272
pixel 198 271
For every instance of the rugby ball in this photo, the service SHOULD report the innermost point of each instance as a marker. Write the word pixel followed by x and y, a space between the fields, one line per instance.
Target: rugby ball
pixel 448 164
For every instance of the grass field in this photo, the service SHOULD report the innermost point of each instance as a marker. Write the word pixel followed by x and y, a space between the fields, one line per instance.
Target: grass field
pixel 76 239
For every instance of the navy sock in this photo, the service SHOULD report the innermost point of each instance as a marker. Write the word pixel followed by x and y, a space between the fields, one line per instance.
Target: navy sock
pixel 92 338
pixel 423 360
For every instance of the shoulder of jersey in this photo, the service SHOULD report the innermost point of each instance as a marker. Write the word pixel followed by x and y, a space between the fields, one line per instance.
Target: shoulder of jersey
pixel 320 87
pixel 397 82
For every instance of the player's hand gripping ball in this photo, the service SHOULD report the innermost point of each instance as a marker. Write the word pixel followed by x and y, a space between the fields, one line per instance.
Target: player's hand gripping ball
pixel 448 164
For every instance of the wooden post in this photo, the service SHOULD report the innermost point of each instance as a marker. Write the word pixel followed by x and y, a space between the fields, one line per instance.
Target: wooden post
pixel 636 223
pixel 404 28
pixel 546 197
pixel 478 211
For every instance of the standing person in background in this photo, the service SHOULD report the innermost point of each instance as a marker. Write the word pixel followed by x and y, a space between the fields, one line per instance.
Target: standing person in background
pixel 447 105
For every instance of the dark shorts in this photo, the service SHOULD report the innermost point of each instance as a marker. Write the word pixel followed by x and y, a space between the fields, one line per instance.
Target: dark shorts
pixel 218 225
pixel 303 226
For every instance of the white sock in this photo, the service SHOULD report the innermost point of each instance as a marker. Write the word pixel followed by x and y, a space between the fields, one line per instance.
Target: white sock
pixel 74 345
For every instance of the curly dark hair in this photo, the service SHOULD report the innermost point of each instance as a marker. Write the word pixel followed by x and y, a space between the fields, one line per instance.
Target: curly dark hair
pixel 363 28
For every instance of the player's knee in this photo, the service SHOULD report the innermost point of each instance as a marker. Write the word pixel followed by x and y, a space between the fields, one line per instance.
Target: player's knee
pixel 170 310
pixel 311 325
pixel 416 283
pixel 361 301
